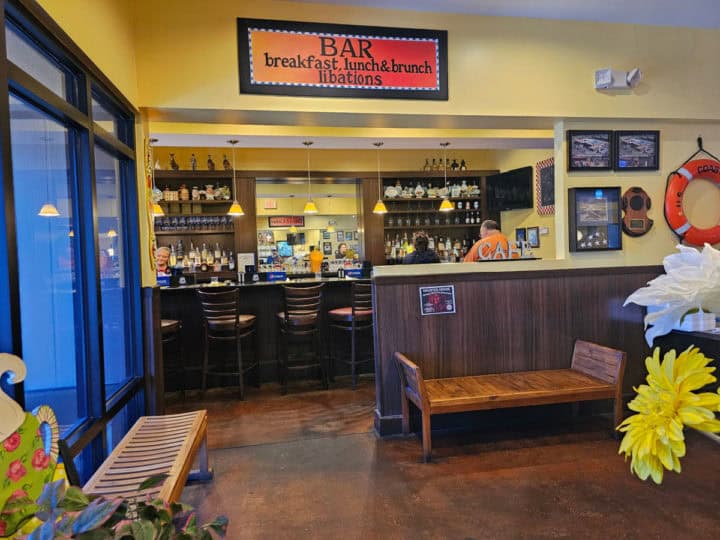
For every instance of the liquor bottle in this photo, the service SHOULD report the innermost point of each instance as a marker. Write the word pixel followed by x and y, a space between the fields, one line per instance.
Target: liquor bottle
pixel 417 220
pixel 173 257
pixel 431 242
pixel 218 251
pixel 231 262
pixel 180 250
pixel 223 259
pixel 459 205
pixel 203 253
pixel 467 218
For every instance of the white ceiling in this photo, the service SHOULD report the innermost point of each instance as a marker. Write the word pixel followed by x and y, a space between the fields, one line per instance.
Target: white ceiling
pixel 692 13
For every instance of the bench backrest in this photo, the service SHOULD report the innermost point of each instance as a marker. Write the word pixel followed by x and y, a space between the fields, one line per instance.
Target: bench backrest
pixel 599 361
pixel 411 381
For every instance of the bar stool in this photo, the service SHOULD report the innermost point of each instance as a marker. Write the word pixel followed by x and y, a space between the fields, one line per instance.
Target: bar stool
pixel 300 327
pixel 223 322
pixel 170 332
pixel 356 318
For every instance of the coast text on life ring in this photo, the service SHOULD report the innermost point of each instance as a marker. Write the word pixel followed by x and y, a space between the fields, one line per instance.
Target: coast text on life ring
pixel 707 169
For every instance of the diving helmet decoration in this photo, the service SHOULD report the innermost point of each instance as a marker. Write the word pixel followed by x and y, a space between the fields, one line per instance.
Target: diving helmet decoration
pixel 635 205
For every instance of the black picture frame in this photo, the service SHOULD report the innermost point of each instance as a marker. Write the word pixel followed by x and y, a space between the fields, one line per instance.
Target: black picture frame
pixel 325 235
pixel 637 150
pixel 590 150
pixel 533 237
pixel 340 235
pixel 348 236
pixel 520 234
pixel 327 248
pixel 595 218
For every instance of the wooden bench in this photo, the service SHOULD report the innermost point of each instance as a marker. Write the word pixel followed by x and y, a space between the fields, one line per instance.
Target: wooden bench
pixel 155 445
pixel 596 372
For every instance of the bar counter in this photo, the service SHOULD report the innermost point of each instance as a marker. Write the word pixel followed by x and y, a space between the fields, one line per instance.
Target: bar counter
pixel 262 299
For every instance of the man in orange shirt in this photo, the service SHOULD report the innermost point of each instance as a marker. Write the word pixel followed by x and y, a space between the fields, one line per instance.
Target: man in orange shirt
pixel 490 238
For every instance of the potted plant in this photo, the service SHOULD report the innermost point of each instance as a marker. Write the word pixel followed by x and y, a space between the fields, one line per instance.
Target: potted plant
pixel 70 513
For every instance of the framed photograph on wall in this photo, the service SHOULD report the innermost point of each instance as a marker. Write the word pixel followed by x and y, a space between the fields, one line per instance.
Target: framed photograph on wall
pixel 340 236
pixel 637 150
pixel 348 236
pixel 589 150
pixel 545 187
pixel 533 236
pixel 520 234
pixel 325 235
pixel 327 248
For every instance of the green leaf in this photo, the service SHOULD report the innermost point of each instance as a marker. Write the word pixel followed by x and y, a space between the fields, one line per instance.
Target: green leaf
pixel 51 495
pixel 96 534
pixel 143 530
pixel 45 532
pixel 96 513
pixel 153 481
pixel 219 525
pixel 74 500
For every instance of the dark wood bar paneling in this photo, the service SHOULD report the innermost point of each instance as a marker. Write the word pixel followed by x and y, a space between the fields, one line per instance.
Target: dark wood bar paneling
pixel 245 226
pixel 153 353
pixel 372 223
pixel 504 321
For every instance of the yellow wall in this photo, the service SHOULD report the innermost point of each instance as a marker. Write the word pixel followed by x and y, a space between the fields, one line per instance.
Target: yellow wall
pixel 187 58
pixel 104 30
pixel 511 220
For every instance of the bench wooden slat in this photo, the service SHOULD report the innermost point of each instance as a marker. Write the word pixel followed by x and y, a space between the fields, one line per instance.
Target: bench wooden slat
pixel 596 372
pixel 154 445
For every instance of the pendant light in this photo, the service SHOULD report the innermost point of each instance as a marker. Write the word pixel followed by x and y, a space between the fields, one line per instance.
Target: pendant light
pixel 235 208
pixel 380 207
pixel 310 207
pixel 157 210
pixel 445 205
pixel 48 209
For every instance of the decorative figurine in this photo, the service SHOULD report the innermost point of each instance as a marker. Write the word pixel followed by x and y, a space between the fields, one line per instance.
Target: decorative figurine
pixel 463 166
pixel 226 163
pixel 426 167
pixel 193 162
pixel 210 163
pixel 454 166
pixel 174 164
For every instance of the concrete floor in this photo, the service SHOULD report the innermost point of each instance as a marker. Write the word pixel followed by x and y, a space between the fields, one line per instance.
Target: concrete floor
pixel 543 481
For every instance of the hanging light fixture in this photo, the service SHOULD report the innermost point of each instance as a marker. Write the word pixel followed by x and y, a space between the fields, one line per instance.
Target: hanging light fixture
pixel 48 209
pixel 310 207
pixel 331 224
pixel 293 229
pixel 157 210
pixel 235 208
pixel 380 207
pixel 445 205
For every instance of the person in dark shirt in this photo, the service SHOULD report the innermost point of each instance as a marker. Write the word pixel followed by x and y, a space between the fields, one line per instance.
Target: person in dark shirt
pixel 422 254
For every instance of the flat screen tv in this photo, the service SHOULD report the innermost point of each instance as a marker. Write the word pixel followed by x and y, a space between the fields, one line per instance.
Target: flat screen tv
pixel 510 190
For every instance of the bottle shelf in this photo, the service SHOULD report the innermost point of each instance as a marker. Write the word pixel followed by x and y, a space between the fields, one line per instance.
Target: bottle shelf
pixel 434 211
pixel 428 227
pixel 430 199
pixel 196 201
pixel 182 233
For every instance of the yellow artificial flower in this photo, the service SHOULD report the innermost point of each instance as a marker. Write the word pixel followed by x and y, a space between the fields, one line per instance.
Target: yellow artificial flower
pixel 654 437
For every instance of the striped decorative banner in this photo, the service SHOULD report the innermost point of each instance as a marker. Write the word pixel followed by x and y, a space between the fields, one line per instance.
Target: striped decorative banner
pixel 545 186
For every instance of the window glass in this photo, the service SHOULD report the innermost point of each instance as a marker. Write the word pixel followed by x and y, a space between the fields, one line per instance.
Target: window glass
pixel 104 118
pixel 25 55
pixel 113 276
pixel 47 262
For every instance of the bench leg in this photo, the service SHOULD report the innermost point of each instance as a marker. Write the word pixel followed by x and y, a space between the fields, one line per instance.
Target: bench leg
pixel 427 441
pixel 405 415
pixel 617 416
pixel 204 473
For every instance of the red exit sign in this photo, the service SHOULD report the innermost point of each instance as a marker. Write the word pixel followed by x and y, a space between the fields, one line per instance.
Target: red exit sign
pixel 286 221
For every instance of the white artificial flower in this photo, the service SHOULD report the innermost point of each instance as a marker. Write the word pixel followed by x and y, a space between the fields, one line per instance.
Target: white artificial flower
pixel 691 281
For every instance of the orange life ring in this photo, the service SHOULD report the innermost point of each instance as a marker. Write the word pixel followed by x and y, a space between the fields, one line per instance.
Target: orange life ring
pixel 708 169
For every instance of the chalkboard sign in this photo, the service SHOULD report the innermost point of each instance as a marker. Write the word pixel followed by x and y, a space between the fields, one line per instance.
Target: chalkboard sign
pixel 545 186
